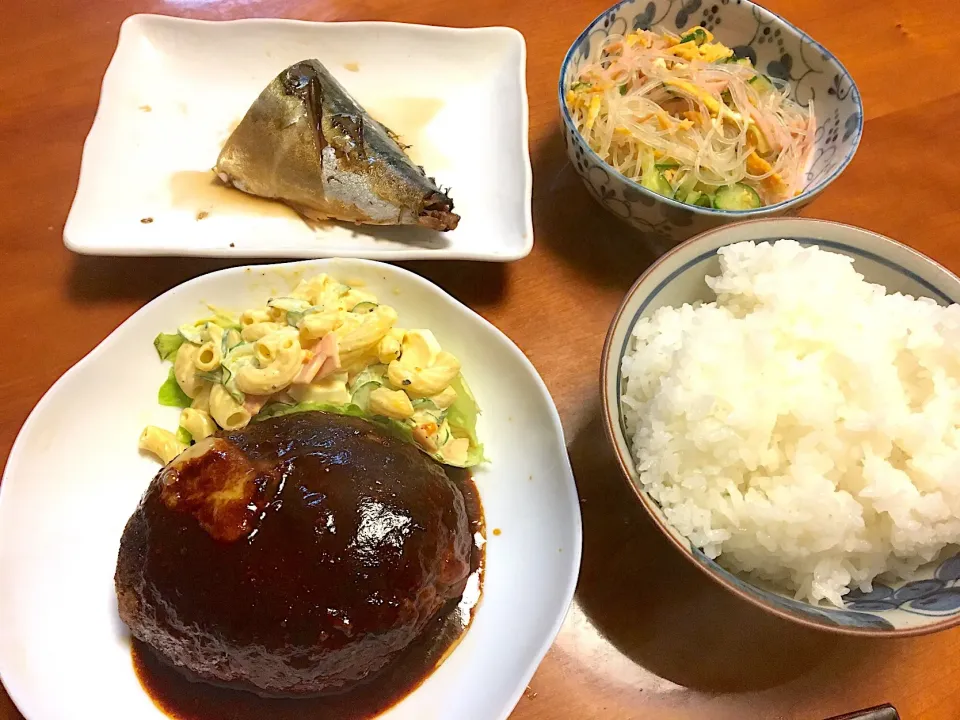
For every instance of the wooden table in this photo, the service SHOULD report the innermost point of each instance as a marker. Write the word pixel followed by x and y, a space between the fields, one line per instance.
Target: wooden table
pixel 648 636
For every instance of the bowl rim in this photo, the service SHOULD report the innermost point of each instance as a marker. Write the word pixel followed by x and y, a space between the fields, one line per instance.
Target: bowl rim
pixel 759 212
pixel 611 424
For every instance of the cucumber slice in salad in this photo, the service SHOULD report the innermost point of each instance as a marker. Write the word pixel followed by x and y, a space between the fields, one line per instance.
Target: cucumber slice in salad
pixel 659 184
pixel 698 36
pixel 427 406
pixel 364 307
pixel 289 304
pixel 736 197
pixel 361 396
pixel 652 179
pixel 167 345
pixel 700 199
pixel 762 84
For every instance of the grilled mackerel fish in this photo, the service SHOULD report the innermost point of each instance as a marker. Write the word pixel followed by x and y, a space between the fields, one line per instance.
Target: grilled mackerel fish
pixel 307 143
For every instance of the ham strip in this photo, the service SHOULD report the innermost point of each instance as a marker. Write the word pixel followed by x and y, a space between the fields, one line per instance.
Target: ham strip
pixel 254 403
pixel 325 360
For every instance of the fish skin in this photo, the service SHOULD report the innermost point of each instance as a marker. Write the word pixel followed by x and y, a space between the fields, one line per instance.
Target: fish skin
pixel 306 142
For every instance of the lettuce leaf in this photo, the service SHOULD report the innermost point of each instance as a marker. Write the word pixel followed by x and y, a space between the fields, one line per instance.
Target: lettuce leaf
pixel 462 418
pixel 277 409
pixel 398 429
pixel 167 345
pixel 171 395
pixel 395 427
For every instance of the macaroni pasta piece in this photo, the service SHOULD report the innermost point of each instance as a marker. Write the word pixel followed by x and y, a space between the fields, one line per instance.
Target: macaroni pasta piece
pixel 207 357
pixel 252 333
pixel 160 442
pixel 312 289
pixel 252 317
pixel 185 370
pixel 285 359
pixel 316 325
pixel 202 399
pixel 198 423
pixel 370 331
pixel 229 414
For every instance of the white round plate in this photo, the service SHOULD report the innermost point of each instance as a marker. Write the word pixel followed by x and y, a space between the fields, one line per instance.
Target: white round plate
pixel 75 475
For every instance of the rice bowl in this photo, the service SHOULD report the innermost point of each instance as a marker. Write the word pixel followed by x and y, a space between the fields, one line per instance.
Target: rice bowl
pixel 804 426
pixel 924 600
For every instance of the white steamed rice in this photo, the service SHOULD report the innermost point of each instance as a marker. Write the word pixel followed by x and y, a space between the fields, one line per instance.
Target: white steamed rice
pixel 805 427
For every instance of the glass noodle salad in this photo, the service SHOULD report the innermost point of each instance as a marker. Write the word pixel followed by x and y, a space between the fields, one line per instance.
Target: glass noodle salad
pixel 684 117
pixel 325 346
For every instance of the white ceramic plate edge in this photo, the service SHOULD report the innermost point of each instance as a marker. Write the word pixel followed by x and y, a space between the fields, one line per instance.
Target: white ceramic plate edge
pixel 13 681
pixel 95 138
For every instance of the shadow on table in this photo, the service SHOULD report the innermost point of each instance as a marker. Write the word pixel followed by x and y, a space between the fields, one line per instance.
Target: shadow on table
pixel 93 279
pixel 662 612
pixel 574 226
pixel 476 284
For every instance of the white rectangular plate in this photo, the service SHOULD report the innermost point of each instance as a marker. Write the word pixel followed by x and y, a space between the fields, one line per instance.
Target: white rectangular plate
pixel 176 88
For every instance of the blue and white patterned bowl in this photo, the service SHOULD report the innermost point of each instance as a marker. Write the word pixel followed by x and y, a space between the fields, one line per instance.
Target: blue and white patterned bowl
pixel 778 49
pixel 927 601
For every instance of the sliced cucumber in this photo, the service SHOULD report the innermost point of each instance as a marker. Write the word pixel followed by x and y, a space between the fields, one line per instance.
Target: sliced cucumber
pixel 361 396
pixel 685 186
pixel 230 340
pixel 698 198
pixel 736 197
pixel 295 317
pixel 426 405
pixel 289 304
pixel 658 183
pixel 653 179
pixel 734 60
pixel 364 307
pixel 214 376
pixel 669 165
pixel 168 344
pixel 444 434
pixel 373 373
pixel 193 332
pixel 762 84
pixel 698 35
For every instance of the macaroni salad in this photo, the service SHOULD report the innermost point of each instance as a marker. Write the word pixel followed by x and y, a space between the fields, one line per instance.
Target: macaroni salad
pixel 325 346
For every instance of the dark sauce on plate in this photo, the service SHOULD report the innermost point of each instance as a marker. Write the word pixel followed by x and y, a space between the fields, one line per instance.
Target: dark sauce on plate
pixel 182 697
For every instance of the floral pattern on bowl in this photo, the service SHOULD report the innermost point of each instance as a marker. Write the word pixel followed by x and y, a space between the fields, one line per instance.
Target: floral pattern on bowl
pixel 777 48
pixel 928 600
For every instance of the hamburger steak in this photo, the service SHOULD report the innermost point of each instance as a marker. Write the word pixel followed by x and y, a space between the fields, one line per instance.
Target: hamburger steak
pixel 296 556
